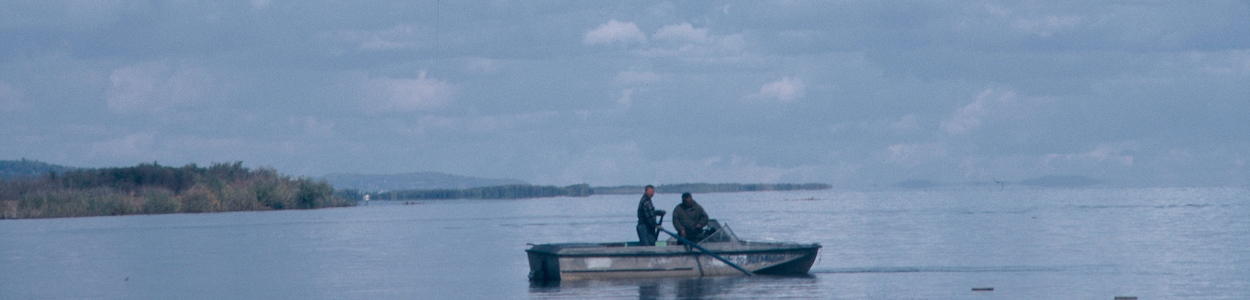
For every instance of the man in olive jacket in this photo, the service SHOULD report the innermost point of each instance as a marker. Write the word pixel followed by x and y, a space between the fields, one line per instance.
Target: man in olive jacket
pixel 689 218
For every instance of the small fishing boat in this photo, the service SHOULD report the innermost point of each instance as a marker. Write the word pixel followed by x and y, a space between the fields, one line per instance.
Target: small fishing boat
pixel 720 254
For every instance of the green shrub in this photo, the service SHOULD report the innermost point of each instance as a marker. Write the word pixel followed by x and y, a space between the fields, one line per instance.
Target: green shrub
pixel 152 188
pixel 159 201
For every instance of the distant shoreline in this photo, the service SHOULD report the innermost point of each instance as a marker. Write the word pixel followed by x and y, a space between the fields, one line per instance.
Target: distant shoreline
pixel 524 191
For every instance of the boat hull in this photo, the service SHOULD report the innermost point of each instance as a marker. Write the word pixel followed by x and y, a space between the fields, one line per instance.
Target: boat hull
pixel 551 262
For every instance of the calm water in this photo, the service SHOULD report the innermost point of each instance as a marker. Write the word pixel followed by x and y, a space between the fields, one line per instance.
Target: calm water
pixel 1166 243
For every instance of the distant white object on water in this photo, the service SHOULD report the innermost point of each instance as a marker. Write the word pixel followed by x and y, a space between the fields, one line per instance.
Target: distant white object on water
pixel 366 197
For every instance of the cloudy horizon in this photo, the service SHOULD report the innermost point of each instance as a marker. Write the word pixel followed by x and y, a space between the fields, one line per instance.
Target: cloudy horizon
pixel 1132 93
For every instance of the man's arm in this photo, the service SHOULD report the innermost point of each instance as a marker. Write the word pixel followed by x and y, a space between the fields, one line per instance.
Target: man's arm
pixel 702 218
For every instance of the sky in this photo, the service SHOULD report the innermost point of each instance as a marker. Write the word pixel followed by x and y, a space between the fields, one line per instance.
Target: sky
pixel 850 93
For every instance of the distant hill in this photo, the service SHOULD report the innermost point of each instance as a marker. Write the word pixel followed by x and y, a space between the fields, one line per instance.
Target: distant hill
pixel 10 169
pixel 412 181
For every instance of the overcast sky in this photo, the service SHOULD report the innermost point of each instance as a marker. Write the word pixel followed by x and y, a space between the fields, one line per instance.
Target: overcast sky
pixel 851 93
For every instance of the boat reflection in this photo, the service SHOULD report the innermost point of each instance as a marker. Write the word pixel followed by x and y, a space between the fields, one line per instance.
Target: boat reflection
pixel 678 288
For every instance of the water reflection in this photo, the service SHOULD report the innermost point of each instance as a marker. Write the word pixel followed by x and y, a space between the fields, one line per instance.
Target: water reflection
pixel 678 288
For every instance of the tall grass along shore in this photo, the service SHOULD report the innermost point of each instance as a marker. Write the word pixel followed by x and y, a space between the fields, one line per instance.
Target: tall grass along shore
pixel 156 189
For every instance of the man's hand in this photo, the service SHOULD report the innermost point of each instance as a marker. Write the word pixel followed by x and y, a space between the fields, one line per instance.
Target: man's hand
pixel 681 232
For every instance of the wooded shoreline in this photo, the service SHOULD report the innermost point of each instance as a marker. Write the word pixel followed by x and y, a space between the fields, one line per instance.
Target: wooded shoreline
pixel 39 190
pixel 156 189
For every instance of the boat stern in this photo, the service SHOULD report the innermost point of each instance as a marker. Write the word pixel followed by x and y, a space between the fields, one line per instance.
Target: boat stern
pixel 544 264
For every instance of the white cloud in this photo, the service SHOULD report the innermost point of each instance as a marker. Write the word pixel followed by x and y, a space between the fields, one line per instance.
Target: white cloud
pixel 615 32
pixel 683 32
pixel 968 118
pixel 686 41
pixel 401 95
pixel 400 36
pixel 156 86
pixel 785 89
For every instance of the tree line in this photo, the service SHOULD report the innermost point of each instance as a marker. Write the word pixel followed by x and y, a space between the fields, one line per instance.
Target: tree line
pixel 151 188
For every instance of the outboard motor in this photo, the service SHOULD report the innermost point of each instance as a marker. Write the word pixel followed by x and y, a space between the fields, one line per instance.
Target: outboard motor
pixel 717 232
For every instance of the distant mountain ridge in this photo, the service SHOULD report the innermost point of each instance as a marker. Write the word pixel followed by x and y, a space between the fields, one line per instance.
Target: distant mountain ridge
pixel 412 181
pixel 10 169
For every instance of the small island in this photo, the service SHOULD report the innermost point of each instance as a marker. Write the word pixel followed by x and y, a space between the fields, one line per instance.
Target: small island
pixel 151 188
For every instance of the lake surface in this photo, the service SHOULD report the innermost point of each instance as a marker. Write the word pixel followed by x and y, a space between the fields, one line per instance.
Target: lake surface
pixel 1153 243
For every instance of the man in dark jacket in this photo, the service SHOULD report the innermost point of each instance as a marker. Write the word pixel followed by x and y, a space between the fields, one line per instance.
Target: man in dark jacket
pixel 689 218
pixel 647 232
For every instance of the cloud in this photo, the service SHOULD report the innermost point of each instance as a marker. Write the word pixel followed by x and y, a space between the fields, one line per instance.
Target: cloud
pixel 683 32
pixel 400 36
pixel 785 89
pixel 685 41
pixel 969 117
pixel 156 86
pixel 386 94
pixel 615 32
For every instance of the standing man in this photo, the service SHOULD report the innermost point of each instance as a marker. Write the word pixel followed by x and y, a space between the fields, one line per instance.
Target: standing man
pixel 647 223
pixel 689 218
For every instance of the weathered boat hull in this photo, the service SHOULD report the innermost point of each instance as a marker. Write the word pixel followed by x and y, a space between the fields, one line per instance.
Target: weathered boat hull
pixel 551 262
